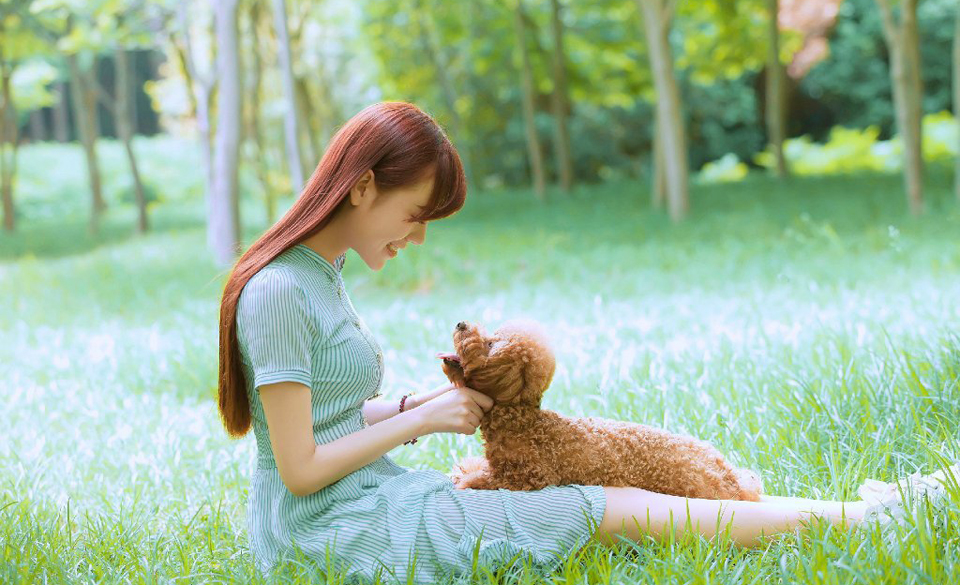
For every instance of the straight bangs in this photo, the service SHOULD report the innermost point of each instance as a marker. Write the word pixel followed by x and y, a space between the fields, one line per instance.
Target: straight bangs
pixel 449 186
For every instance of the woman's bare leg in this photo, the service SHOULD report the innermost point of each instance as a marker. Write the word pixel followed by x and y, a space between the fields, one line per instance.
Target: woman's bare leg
pixel 833 507
pixel 635 513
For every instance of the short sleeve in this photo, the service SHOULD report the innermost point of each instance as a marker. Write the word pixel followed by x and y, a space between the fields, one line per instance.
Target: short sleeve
pixel 275 329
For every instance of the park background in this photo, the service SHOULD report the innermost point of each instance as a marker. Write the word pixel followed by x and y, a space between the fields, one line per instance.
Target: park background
pixel 741 227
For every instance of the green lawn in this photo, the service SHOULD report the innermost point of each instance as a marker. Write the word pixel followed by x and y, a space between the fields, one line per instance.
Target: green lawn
pixel 808 329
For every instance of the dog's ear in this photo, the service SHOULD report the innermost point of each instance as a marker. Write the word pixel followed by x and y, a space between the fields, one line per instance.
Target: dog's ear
pixel 517 372
pixel 499 376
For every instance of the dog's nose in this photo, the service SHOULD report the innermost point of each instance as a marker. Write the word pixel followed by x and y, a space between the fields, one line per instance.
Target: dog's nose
pixel 461 326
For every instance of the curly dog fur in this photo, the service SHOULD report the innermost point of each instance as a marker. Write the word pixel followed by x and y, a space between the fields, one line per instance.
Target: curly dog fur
pixel 529 448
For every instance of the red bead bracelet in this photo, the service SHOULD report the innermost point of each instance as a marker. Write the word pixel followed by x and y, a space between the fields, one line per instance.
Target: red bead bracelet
pixel 402 401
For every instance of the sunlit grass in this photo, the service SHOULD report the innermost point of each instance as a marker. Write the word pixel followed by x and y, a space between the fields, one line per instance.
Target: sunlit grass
pixel 809 330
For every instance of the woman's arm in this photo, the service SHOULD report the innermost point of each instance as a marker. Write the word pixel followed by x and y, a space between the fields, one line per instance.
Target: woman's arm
pixel 375 411
pixel 306 467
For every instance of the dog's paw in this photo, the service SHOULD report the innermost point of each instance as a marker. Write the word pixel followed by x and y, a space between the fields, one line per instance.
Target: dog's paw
pixel 466 469
pixel 751 487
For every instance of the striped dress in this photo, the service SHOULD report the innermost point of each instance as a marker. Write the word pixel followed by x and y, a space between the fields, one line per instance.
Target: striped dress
pixel 295 322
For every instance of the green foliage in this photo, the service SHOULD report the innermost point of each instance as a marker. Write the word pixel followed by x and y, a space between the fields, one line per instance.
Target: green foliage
pixel 851 150
pixel 723 117
pixel 940 137
pixel 853 83
pixel 726 169
pixel 29 86
pixel 724 39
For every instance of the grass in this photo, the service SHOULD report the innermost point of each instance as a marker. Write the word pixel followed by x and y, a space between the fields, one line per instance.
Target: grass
pixel 808 329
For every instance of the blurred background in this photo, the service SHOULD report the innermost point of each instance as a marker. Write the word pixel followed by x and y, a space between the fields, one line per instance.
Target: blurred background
pixel 736 219
pixel 143 104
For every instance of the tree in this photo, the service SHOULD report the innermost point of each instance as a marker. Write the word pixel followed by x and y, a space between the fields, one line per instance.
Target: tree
pixel 526 80
pixel 125 26
pixel 121 111
pixel 434 50
pixel 775 115
pixel 956 99
pixel 83 85
pixel 17 45
pixel 657 16
pixel 559 99
pixel 903 42
pixel 223 211
pixel 291 124
pixel 200 88
pixel 253 131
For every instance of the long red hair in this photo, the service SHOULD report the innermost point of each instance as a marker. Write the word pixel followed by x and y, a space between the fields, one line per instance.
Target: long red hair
pixel 400 143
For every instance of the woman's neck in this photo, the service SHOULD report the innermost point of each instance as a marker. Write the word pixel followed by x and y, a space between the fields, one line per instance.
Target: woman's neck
pixel 327 242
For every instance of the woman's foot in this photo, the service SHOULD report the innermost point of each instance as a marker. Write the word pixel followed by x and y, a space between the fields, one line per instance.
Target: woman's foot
pixel 885 501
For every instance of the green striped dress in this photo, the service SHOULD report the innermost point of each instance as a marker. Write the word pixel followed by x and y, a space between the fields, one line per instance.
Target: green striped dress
pixel 295 322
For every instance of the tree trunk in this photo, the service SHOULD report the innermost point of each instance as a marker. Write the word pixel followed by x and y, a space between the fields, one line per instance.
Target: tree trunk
pixel 904 48
pixel 84 121
pixel 307 130
pixel 471 86
pixel 560 101
pixel 223 228
pixel 526 77
pixel 305 109
pixel 92 76
pixel 61 119
pixel 775 94
pixel 291 126
pixel 252 123
pixel 658 195
pixel 8 127
pixel 122 115
pixel 200 101
pixel 656 20
pixel 956 100
pixel 133 87
pixel 38 128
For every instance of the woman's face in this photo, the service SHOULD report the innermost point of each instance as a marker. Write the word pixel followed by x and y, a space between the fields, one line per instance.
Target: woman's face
pixel 380 223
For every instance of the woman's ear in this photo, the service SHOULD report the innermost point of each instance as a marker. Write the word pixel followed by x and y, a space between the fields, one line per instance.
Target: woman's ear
pixel 362 188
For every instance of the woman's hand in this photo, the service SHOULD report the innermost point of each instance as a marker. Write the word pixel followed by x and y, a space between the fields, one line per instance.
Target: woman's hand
pixel 416 400
pixel 456 410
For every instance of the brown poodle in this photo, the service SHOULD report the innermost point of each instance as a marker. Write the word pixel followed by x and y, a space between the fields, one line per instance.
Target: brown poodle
pixel 528 448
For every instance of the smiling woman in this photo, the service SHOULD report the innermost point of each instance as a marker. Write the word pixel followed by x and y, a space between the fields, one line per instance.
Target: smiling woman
pixel 298 364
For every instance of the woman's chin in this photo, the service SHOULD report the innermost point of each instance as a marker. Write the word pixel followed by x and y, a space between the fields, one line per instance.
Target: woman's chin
pixel 377 262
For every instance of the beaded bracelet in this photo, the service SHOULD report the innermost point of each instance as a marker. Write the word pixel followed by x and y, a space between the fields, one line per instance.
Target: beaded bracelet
pixel 402 401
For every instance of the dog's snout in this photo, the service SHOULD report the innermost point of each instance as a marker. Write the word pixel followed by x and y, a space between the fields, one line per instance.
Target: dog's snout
pixel 461 326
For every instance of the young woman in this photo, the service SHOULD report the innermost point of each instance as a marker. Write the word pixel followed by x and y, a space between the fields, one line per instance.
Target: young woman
pixel 298 364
